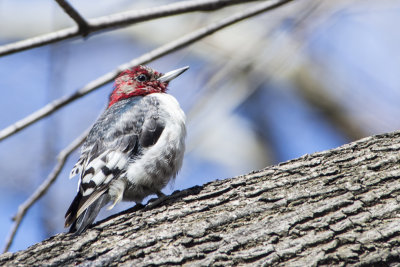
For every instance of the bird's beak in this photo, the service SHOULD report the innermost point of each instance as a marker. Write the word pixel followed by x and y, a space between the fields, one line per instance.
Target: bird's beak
pixel 172 74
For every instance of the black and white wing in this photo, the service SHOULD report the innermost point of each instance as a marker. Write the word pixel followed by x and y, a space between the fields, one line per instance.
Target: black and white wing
pixel 117 139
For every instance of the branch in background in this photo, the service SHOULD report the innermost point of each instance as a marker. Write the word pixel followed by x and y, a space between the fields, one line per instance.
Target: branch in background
pixel 118 20
pixel 313 91
pixel 131 17
pixel 152 55
pixel 74 14
pixel 42 189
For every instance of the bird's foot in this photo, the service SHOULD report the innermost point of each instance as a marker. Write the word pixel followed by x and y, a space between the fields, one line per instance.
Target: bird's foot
pixel 154 202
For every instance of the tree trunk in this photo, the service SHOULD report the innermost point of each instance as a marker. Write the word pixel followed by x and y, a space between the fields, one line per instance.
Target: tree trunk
pixel 333 207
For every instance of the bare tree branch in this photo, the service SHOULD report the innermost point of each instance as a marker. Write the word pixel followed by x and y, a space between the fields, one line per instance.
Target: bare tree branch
pixel 313 91
pixel 152 55
pixel 74 14
pixel 119 20
pixel 337 207
pixel 42 189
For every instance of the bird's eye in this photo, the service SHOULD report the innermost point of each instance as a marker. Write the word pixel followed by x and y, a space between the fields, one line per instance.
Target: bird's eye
pixel 142 78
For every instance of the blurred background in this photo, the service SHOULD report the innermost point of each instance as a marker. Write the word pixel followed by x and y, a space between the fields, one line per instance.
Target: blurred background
pixel 306 77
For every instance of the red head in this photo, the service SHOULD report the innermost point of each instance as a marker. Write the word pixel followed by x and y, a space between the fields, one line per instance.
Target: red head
pixel 137 81
pixel 141 81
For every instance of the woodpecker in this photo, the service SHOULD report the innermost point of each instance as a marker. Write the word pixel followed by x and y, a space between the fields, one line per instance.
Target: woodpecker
pixel 133 150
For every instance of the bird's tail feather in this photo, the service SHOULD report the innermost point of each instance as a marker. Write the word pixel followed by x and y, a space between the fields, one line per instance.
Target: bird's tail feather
pixel 89 215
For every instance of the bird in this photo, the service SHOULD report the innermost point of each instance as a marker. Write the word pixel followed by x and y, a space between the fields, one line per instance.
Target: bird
pixel 134 148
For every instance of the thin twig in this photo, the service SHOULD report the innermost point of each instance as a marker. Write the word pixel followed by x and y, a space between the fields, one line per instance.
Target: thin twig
pixel 74 14
pixel 152 55
pixel 119 20
pixel 131 17
pixel 42 189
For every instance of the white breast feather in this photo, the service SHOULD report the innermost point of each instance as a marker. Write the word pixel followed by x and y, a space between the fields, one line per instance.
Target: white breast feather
pixel 173 136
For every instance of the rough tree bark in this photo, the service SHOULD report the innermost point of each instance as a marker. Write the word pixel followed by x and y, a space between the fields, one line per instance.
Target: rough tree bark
pixel 334 207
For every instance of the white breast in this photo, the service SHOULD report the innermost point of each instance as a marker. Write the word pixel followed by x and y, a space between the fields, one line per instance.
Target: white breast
pixel 160 162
